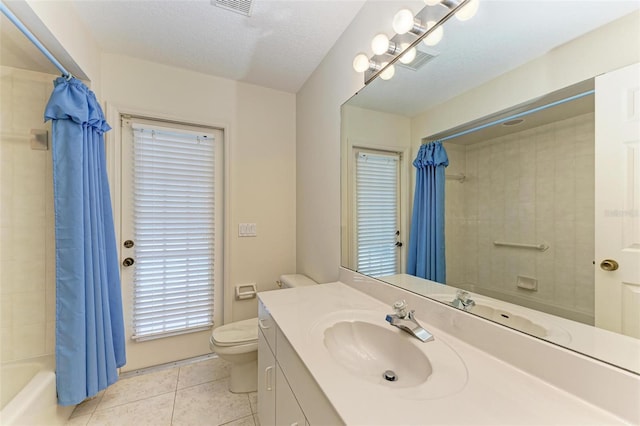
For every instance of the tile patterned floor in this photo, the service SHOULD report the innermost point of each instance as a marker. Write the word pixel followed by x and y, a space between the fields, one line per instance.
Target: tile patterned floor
pixel 194 394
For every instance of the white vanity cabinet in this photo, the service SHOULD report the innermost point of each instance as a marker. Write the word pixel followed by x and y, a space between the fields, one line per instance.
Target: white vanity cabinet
pixel 288 412
pixel 287 393
pixel 266 382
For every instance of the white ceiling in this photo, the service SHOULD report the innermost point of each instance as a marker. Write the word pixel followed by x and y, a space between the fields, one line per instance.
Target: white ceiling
pixel 278 46
pixel 283 41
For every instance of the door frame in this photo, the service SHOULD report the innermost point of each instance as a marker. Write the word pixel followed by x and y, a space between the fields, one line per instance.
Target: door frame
pixel 113 149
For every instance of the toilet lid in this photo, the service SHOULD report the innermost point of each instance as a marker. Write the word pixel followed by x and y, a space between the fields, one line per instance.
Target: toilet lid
pixel 235 333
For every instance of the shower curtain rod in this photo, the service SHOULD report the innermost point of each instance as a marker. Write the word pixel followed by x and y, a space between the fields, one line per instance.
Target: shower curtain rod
pixel 13 18
pixel 514 116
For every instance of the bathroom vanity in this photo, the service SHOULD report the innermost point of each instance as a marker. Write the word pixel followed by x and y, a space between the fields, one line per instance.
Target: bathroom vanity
pixel 323 352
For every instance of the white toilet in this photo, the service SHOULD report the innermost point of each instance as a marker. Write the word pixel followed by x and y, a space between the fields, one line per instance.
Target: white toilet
pixel 237 342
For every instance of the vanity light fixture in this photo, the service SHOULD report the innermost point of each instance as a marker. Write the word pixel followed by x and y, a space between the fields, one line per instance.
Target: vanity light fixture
pixel 468 11
pixel 426 25
pixel 435 36
pixel 361 63
pixel 409 53
pixel 388 71
pixel 380 44
pixel 404 21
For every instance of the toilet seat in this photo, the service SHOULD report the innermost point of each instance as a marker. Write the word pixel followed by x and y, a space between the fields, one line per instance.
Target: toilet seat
pixel 236 333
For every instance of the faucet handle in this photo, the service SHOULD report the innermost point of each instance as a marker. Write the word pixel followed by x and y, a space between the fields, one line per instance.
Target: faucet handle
pixel 462 295
pixel 400 308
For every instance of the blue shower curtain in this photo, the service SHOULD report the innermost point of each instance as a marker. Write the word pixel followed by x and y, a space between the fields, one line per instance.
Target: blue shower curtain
pixel 89 322
pixel 426 257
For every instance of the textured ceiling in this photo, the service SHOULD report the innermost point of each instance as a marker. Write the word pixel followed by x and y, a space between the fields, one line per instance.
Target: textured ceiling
pixel 278 46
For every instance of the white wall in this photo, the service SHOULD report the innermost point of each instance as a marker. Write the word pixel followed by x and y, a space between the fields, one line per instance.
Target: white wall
pixel 27 254
pixel 260 127
pixel 364 128
pixel 318 143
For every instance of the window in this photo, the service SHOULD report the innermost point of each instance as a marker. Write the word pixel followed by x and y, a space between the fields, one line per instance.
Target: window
pixel 176 213
pixel 377 212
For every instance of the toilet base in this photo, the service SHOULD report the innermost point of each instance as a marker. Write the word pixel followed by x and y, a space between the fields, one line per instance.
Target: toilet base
pixel 244 377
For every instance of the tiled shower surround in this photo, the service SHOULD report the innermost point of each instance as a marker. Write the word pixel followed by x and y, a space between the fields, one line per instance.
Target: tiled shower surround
pixel 27 267
pixel 535 186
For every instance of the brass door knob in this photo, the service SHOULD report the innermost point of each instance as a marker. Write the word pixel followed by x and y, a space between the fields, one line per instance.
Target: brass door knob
pixel 609 265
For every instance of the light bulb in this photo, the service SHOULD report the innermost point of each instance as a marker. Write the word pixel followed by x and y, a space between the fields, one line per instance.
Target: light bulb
pixel 388 73
pixel 409 55
pixel 403 21
pixel 435 37
pixel 468 11
pixel 380 44
pixel 432 2
pixel 361 63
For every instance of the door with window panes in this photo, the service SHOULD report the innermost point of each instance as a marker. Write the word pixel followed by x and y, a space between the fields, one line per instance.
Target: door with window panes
pixel 172 240
pixel 377 212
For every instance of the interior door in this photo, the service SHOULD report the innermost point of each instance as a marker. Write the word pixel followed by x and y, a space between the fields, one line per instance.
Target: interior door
pixel 617 196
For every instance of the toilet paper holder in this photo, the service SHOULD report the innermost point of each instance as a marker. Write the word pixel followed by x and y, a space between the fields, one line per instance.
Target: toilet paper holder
pixel 246 291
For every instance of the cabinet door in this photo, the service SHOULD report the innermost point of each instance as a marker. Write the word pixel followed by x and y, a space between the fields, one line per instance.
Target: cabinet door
pixel 267 326
pixel 266 383
pixel 288 412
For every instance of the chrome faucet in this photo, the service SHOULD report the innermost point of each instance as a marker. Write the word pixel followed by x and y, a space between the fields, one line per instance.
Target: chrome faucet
pixel 463 301
pixel 404 320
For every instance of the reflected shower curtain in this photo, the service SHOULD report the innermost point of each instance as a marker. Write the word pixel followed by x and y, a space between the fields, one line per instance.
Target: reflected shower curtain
pixel 89 322
pixel 426 257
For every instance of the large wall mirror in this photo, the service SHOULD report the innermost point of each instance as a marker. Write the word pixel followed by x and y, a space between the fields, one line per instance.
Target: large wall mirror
pixel 535 238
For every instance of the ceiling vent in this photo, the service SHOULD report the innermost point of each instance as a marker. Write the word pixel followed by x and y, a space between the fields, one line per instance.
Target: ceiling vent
pixel 421 59
pixel 242 7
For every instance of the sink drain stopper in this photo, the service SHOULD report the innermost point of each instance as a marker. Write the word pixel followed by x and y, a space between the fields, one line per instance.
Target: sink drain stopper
pixel 390 376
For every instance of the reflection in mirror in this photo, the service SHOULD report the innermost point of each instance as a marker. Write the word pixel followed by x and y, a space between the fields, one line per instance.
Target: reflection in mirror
pixel 526 228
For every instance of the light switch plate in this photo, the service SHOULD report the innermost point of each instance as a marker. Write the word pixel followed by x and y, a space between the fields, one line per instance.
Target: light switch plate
pixel 247 230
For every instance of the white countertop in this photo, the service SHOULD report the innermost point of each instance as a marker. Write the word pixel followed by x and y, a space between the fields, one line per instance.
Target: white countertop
pixel 614 348
pixel 495 392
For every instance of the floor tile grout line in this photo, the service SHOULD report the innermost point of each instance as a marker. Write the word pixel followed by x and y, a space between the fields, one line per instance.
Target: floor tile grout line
pixel 175 395
pixel 203 383
pixel 133 401
pixel 173 409
pixel 136 400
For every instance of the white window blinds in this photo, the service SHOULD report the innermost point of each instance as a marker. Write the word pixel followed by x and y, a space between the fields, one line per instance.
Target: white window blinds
pixel 174 197
pixel 377 196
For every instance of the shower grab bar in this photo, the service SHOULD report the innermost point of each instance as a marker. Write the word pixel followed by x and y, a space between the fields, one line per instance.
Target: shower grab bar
pixel 540 247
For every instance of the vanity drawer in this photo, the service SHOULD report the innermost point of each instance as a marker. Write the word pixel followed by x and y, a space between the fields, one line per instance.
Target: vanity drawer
pixel 267 325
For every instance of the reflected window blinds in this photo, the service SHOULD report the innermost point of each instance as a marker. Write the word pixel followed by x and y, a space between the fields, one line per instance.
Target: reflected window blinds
pixel 377 212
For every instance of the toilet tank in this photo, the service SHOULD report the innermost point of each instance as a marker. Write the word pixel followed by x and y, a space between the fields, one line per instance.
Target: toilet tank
pixel 295 280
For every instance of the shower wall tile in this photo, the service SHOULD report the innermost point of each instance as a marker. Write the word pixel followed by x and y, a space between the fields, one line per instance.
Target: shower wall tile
pixel 535 186
pixel 28 308
pixel 26 217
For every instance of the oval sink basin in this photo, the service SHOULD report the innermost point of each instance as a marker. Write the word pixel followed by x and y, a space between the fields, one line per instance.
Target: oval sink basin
pixel 509 319
pixel 505 314
pixel 368 350
pixel 359 346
